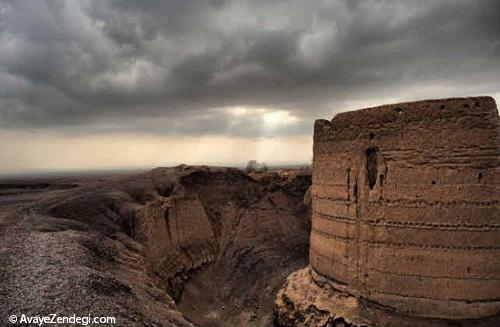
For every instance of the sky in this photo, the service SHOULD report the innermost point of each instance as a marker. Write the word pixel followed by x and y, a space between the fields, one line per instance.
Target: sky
pixel 97 84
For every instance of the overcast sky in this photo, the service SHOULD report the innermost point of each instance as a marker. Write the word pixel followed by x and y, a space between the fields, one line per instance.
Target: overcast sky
pixel 129 83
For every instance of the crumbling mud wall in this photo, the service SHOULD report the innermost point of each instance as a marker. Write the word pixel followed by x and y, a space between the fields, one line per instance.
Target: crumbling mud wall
pixel 177 236
pixel 406 212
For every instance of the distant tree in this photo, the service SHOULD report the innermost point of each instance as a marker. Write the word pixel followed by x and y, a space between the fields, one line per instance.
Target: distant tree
pixel 252 166
pixel 255 167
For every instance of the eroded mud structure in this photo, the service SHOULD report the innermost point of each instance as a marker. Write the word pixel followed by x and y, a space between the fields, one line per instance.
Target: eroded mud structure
pixel 406 219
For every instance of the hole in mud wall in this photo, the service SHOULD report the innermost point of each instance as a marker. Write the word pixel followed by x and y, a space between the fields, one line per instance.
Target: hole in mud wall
pixel 381 177
pixel 399 110
pixel 371 136
pixel 371 166
pixel 348 175
pixel 480 178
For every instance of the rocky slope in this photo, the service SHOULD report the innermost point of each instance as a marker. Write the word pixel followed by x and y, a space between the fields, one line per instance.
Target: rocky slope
pixel 212 243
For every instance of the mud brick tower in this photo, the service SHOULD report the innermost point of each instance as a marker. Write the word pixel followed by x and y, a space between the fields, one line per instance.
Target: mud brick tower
pixel 406 211
pixel 406 206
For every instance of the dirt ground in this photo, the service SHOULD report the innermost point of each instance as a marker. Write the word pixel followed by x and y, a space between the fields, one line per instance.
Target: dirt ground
pixel 71 245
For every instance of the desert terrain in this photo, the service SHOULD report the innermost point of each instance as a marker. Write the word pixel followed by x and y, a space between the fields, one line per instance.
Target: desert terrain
pixel 183 246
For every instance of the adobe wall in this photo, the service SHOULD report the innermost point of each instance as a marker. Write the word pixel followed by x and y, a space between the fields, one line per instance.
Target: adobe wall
pixel 177 236
pixel 406 208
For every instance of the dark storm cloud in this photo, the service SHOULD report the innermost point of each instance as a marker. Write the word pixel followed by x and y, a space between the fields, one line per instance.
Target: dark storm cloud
pixel 169 66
